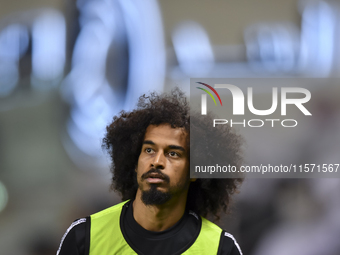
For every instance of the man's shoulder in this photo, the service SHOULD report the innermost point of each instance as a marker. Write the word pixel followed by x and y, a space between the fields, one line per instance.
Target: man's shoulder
pixel 73 240
pixel 230 241
pixel 115 209
pixel 209 225
pixel 227 243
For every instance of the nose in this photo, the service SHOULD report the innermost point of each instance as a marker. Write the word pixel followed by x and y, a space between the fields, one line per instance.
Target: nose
pixel 159 160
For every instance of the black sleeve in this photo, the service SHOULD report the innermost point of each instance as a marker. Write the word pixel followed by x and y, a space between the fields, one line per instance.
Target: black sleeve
pixel 75 241
pixel 228 245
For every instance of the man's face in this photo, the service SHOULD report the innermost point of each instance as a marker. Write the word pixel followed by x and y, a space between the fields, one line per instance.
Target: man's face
pixel 163 165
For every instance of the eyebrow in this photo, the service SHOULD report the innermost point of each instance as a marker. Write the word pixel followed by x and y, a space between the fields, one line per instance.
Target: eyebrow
pixel 175 147
pixel 148 142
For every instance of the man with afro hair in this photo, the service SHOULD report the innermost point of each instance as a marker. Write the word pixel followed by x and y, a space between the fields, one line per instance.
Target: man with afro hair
pixel 163 210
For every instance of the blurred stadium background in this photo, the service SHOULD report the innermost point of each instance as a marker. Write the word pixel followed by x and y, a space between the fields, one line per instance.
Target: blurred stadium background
pixel 67 67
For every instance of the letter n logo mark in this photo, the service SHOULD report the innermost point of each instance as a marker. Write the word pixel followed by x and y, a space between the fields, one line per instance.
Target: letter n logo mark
pixel 204 97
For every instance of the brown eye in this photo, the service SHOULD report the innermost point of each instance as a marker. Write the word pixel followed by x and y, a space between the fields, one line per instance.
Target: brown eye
pixel 173 154
pixel 148 150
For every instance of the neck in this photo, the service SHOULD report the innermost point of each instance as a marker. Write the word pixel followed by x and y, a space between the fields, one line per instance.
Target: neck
pixel 159 217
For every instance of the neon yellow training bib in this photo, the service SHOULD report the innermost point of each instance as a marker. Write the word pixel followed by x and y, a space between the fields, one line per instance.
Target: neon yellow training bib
pixel 106 237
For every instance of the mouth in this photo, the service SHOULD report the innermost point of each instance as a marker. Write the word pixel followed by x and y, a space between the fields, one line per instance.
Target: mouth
pixel 155 178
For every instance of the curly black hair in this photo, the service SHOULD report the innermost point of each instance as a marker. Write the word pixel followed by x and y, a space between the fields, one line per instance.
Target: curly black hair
pixel 125 135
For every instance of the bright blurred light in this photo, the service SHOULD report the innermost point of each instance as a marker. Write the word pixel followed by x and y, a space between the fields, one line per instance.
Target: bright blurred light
pixel 88 144
pixel 48 47
pixel 193 49
pixel 102 10
pixel 9 76
pixel 93 101
pixel 14 41
pixel 106 27
pixel 146 49
pixel 93 117
pixel 273 46
pixel 318 38
pixel 3 196
pixel 98 28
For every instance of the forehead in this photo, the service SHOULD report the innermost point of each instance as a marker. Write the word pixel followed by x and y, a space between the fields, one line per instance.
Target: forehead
pixel 165 134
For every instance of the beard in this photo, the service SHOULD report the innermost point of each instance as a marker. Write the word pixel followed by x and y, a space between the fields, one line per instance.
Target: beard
pixel 153 196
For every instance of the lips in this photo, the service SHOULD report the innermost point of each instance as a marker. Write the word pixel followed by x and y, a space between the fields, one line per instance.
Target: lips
pixel 154 180
pixel 155 176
